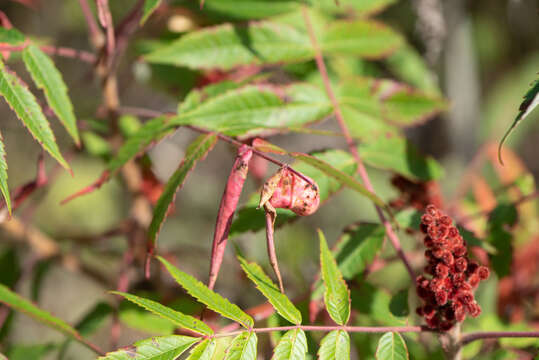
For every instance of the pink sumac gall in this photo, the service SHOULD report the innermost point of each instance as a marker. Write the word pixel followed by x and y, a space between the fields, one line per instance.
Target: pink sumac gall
pixel 286 190
pixel 228 205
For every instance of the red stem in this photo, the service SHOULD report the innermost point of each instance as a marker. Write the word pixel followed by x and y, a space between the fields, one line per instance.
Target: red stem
pixel 351 145
pixel 468 338
pixel 52 50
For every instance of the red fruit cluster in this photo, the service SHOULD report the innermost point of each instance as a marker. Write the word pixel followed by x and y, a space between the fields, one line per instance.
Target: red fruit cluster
pixel 448 294
pixel 415 194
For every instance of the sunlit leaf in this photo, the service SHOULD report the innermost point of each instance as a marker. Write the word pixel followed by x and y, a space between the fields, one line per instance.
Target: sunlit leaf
pixel 335 346
pixel 280 301
pixel 251 110
pixel 47 77
pixel 179 319
pixel 25 105
pixel 11 36
pixel 243 347
pixel 19 303
pixel 206 296
pixel 531 100
pixel 3 175
pixel 292 346
pixel 203 350
pixel 196 151
pixel 391 346
pixel 155 348
pixel 336 294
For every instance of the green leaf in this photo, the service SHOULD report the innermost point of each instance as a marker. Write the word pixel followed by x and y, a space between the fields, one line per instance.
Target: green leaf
pixel 251 9
pixel 23 102
pixel 292 346
pixel 155 348
pixel 3 175
pixel 364 38
pixel 354 250
pixel 149 8
pixel 394 103
pixel 25 352
pixel 401 156
pixel 196 151
pixel 336 295
pixel 502 259
pixel 151 131
pixel 19 303
pixel 399 304
pixel 211 299
pixel 203 351
pixel 47 77
pixel 531 100
pixel 251 219
pixel 410 66
pixel 251 110
pixel 340 176
pixel 11 36
pixel 227 46
pixel 280 301
pixel 243 347
pixel 335 346
pixel 361 8
pixel 375 303
pixel 179 319
pixel 391 346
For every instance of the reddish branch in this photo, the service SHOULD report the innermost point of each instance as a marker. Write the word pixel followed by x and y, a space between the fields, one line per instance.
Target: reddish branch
pixel 52 50
pixel 351 145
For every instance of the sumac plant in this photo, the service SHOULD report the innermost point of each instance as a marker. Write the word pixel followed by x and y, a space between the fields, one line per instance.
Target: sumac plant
pixel 416 274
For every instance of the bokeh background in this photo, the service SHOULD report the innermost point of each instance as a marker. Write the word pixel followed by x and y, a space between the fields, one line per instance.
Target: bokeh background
pixel 483 54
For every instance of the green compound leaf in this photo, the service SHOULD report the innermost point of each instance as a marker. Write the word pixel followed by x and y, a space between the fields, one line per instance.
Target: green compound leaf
pixel 391 346
pixel 340 176
pixel 149 8
pixel 47 77
pixel 227 46
pixel 203 351
pixel 25 105
pixel 335 346
pixel 399 155
pixel 196 151
pixel 243 347
pixel 21 304
pixel 336 295
pixel 531 100
pixel 206 296
pixel 179 319
pixel 292 346
pixel 251 110
pixel 3 175
pixel 155 348
pixel 280 301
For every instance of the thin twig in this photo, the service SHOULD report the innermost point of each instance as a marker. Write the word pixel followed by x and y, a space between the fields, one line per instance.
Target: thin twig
pixel 468 338
pixel 351 145
pixel 323 328
pixel 105 18
pixel 52 50
pixel 96 36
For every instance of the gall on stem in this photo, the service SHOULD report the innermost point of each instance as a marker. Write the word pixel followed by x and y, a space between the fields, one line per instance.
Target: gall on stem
pixel 286 190
pixel 228 205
